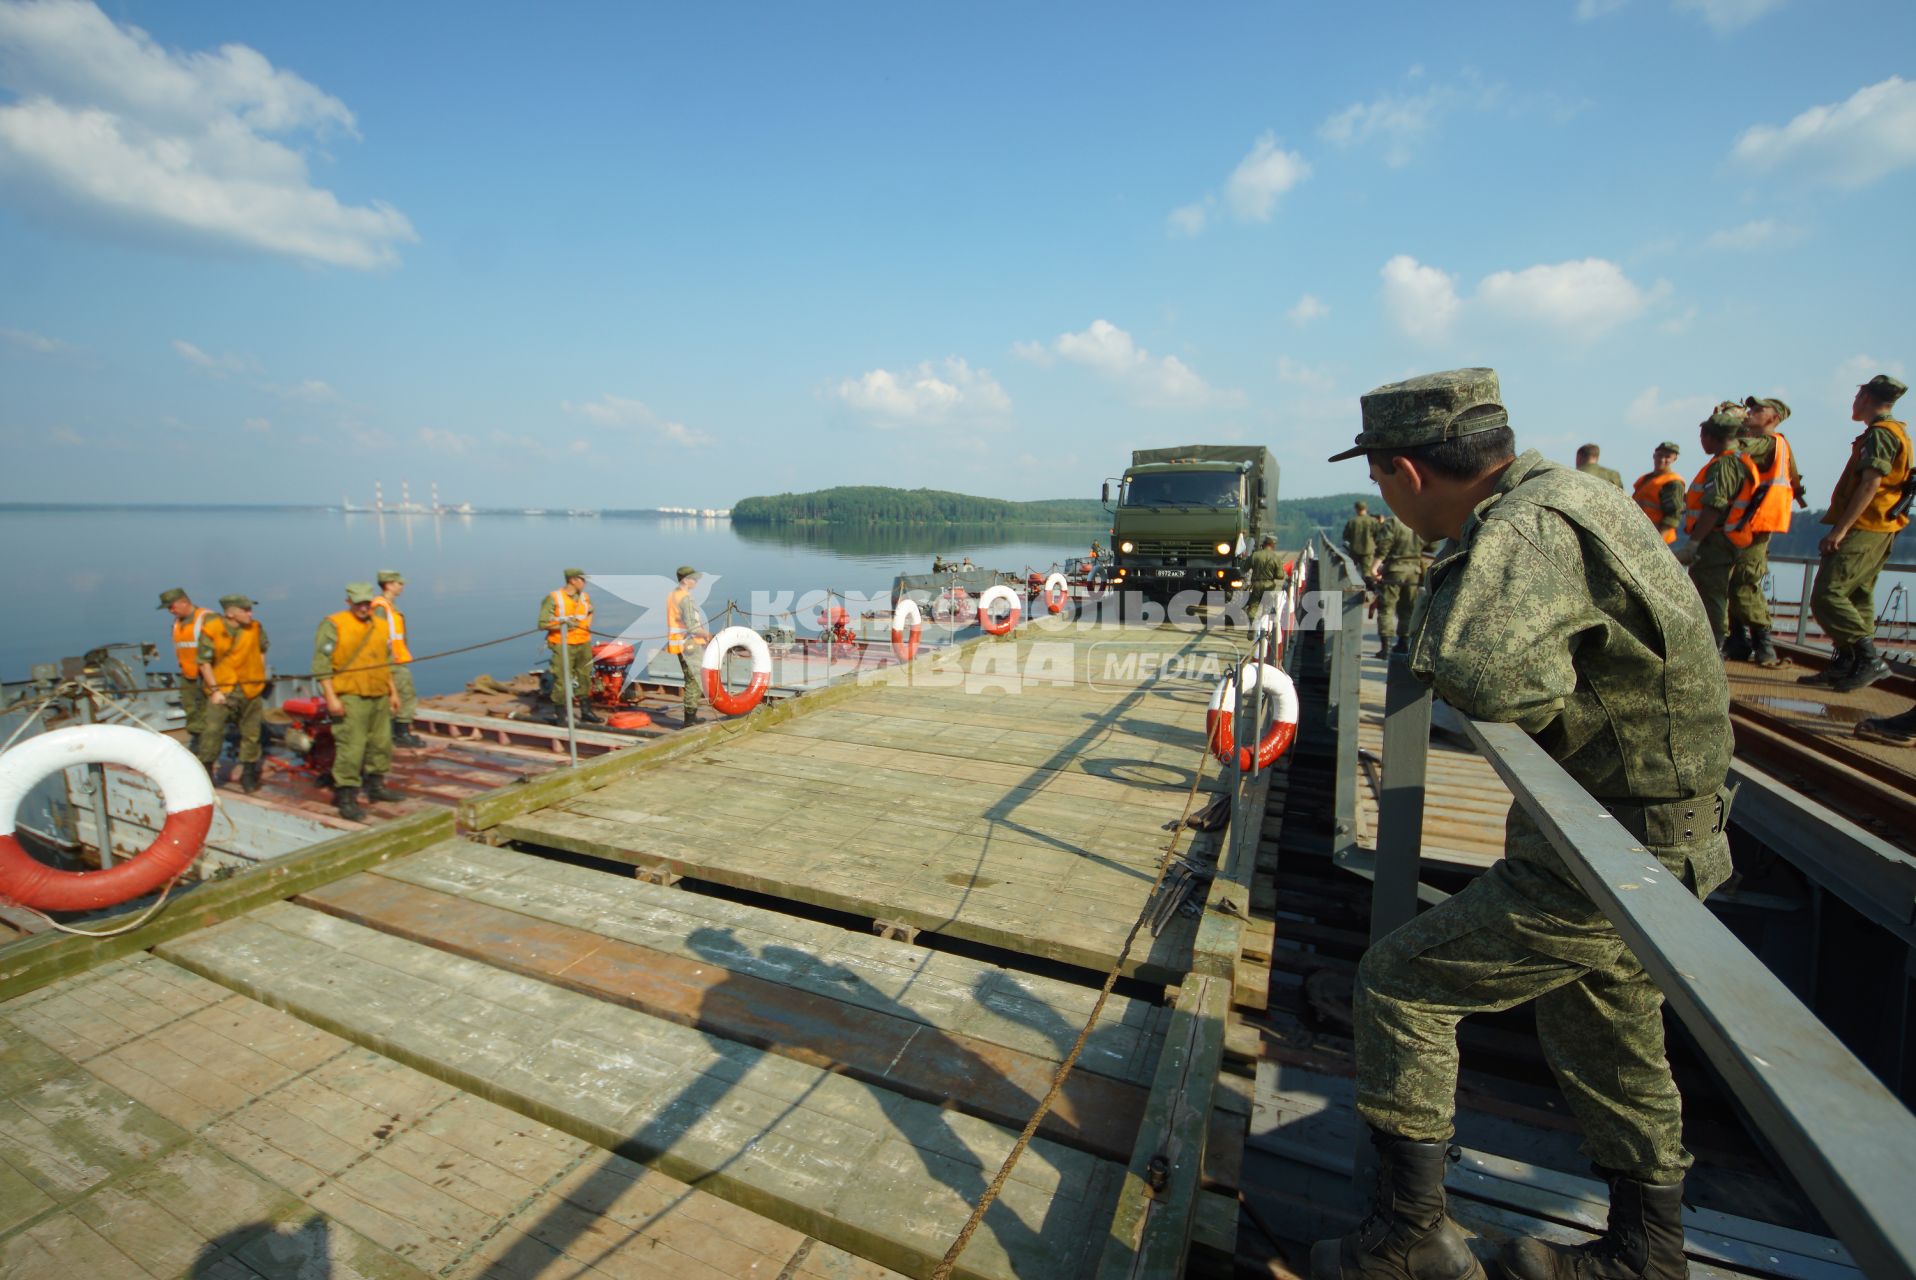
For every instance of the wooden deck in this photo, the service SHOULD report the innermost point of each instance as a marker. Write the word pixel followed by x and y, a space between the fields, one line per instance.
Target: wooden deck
pixel 445 1056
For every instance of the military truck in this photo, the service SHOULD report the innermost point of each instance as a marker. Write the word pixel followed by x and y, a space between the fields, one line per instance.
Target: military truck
pixel 1188 518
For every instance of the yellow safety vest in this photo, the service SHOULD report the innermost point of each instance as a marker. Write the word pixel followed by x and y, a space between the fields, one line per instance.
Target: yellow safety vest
pixel 1734 520
pixel 360 656
pixel 1649 496
pixel 238 664
pixel 395 626
pixel 186 641
pixel 578 613
pixel 1770 508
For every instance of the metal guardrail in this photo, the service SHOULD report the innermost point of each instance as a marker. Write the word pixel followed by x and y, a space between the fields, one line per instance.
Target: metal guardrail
pixel 1845 1138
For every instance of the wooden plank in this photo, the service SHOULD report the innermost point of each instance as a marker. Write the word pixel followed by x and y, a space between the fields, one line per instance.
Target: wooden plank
pixel 877 1045
pixel 34 962
pixel 884 1176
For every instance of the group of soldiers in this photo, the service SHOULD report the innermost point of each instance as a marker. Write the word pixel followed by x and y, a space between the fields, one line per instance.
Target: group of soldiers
pixel 1390 556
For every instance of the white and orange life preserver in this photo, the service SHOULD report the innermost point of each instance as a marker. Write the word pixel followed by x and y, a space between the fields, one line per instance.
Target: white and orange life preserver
pixel 992 595
pixel 736 704
pixel 183 784
pixel 1277 739
pixel 1057 590
pixel 907 625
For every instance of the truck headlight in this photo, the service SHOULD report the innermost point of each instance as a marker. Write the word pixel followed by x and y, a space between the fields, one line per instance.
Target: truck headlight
pixel 1224 548
pixel 1127 547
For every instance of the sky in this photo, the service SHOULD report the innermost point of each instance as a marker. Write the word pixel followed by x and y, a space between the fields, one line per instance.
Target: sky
pixel 630 255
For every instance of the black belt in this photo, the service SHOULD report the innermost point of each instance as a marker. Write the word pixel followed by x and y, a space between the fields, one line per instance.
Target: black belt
pixel 1675 821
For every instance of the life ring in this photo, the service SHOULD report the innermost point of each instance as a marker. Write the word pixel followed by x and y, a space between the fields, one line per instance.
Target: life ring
pixel 904 633
pixel 1277 739
pixel 954 607
pixel 991 596
pixel 184 787
pixel 723 699
pixel 1056 591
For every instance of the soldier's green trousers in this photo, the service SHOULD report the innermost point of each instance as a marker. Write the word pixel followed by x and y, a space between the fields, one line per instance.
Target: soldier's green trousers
pixel 690 662
pixel 193 702
pixel 362 739
pixel 1394 601
pixel 1521 933
pixel 580 656
pixel 408 696
pixel 1710 572
pixel 1747 604
pixel 1843 601
pixel 247 712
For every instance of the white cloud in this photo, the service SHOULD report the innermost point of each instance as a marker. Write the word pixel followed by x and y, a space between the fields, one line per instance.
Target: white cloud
pixel 107 126
pixel 1307 309
pixel 1762 233
pixel 1261 177
pixel 1190 219
pixel 1400 121
pixel 68 437
pixel 440 440
pixel 931 392
pixel 1163 382
pixel 620 413
pixel 33 343
pixel 1650 409
pixel 259 426
pixel 1678 323
pixel 1422 301
pixel 222 366
pixel 1857 370
pixel 1728 15
pixel 1852 143
pixel 311 391
pixel 1033 353
pixel 1297 374
pixel 1584 299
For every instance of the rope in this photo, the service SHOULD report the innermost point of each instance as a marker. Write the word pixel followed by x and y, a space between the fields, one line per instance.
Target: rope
pixel 380 666
pixel 950 1261
pixel 143 917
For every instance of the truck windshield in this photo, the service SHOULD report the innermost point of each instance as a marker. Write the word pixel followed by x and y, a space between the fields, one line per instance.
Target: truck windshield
pixel 1183 489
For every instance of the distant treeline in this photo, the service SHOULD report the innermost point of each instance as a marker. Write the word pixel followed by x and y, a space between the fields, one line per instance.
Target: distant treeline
pixel 877 504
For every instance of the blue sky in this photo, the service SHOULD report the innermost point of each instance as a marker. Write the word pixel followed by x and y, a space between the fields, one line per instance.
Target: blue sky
pixel 626 255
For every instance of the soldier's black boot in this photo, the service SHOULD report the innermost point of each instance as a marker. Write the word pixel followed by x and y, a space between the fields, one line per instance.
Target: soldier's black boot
pixel 403 736
pixel 1867 668
pixel 1762 652
pixel 1402 645
pixel 1838 664
pixel 1643 1242
pixel 249 777
pixel 1737 647
pixel 346 800
pixel 376 789
pixel 212 768
pixel 1383 646
pixel 1897 731
pixel 587 715
pixel 1407 1236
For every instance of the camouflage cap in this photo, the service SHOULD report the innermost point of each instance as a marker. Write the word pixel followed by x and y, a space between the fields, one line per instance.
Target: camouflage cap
pixel 1885 388
pixel 686 571
pixel 360 593
pixel 1768 402
pixel 569 574
pixel 168 596
pixel 1428 410
pixel 1723 422
pixel 1668 446
pixel 390 575
pixel 236 602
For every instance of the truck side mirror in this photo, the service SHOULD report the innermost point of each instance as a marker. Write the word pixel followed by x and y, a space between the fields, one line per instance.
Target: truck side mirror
pixel 1104 493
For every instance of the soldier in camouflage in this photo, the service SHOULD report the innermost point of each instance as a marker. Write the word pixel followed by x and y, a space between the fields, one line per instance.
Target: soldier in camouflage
pixel 1719 500
pixel 1587 462
pixel 1399 572
pixel 1360 537
pixel 1266 570
pixel 1554 607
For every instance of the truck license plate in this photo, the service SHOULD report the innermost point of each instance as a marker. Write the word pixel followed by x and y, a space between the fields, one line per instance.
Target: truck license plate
pixel 1168 573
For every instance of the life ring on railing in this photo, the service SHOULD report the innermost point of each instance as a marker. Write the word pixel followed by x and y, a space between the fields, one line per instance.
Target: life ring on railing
pixel 904 635
pixel 1057 590
pixel 991 596
pixel 954 607
pixel 184 787
pixel 1277 739
pixel 723 699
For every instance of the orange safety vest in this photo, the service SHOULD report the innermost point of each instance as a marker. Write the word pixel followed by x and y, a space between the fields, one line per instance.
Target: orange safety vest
pixel 360 656
pixel 186 641
pixel 396 625
pixel 238 663
pixel 563 608
pixel 1649 496
pixel 1770 508
pixel 1736 518
pixel 1888 510
pixel 675 627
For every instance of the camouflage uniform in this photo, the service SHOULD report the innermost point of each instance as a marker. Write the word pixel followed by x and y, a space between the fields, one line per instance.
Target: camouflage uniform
pixel 1716 555
pixel 1748 605
pixel 1557 609
pixel 1843 599
pixel 1360 541
pixel 1602 472
pixel 1266 571
pixel 1402 552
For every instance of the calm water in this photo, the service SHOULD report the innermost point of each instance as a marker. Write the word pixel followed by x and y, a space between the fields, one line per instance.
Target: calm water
pixel 75 580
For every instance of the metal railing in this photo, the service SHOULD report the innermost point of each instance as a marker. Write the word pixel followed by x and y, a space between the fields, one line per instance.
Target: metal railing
pixel 1844 1137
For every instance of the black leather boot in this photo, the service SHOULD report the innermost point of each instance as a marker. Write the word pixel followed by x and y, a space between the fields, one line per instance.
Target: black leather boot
pixel 1897 731
pixel 1866 669
pixel 1402 645
pixel 376 789
pixel 249 777
pixel 587 715
pixel 1643 1242
pixel 1839 663
pixel 346 800
pixel 1737 647
pixel 1407 1236
pixel 403 736
pixel 1762 652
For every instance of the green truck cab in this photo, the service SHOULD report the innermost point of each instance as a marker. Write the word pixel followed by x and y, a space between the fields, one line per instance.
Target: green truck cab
pixel 1188 518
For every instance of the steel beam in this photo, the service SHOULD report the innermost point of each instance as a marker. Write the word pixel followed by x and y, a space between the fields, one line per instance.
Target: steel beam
pixel 1400 799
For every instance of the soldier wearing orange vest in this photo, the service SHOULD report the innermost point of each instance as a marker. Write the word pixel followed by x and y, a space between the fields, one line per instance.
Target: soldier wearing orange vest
pixel 566 617
pixel 1719 503
pixel 189 620
pixel 1778 483
pixel 233 673
pixel 352 658
pixel 685 635
pixel 1868 508
pixel 392 584
pixel 1659 491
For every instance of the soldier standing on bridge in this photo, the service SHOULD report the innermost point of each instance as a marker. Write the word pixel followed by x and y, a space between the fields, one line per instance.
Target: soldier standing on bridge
pixel 233 673
pixel 392 585
pixel 1266 570
pixel 1659 491
pixel 1557 609
pixel 1778 483
pixel 565 616
pixel 1360 538
pixel 1400 560
pixel 686 636
pixel 1587 463
pixel 352 659
pixel 1718 524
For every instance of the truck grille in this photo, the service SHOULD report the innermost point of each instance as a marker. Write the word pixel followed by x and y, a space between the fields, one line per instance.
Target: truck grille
pixel 1181 547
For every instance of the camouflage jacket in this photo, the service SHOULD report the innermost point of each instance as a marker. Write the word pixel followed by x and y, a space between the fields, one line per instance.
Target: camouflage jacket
pixel 1402 552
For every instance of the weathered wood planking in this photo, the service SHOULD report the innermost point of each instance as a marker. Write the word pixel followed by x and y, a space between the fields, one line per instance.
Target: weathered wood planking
pixel 153 1122
pixel 886 1177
